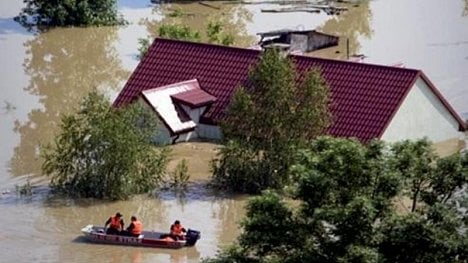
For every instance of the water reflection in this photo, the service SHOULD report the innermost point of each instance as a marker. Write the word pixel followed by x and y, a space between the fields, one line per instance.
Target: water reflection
pixel 234 18
pixel 465 11
pixel 8 26
pixel 63 66
pixel 351 26
pixel 57 221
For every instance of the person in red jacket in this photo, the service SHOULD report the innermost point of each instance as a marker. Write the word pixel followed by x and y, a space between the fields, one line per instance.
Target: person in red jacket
pixel 135 228
pixel 116 224
pixel 177 231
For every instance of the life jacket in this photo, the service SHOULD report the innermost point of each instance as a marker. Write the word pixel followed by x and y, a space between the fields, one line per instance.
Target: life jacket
pixel 115 222
pixel 176 229
pixel 137 227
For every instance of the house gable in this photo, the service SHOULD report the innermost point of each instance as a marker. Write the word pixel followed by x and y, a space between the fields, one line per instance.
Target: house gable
pixel 422 114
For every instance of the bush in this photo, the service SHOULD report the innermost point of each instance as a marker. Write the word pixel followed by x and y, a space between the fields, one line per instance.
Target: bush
pixel 25 189
pixel 238 169
pixel 70 13
pixel 180 176
pixel 105 153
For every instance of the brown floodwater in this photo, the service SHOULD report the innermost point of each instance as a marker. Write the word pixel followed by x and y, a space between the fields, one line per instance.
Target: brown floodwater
pixel 44 75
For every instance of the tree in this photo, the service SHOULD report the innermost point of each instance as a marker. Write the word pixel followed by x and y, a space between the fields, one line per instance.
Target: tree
pixel 266 121
pixel 70 13
pixel 214 34
pixel 414 160
pixel 438 235
pixel 105 153
pixel 143 48
pixel 449 176
pixel 344 210
pixel 179 32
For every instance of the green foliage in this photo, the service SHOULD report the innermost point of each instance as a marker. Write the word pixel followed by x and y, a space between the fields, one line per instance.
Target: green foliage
pixel 238 169
pixel 105 153
pixel 179 32
pixel 345 212
pixel 144 44
pixel 414 160
pixel 266 122
pixel 449 175
pixel 177 12
pixel 268 218
pixel 347 170
pixel 70 13
pixel 215 34
pixel 436 236
pixel 180 176
pixel 25 189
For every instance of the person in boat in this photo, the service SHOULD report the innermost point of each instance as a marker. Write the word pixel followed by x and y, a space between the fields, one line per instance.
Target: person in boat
pixel 135 228
pixel 116 224
pixel 177 231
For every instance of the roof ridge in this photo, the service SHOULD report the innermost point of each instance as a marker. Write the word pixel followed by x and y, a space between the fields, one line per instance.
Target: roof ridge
pixel 354 63
pixel 212 45
pixel 242 49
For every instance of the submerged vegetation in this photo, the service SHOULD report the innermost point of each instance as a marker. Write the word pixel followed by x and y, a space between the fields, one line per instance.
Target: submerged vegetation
pixel 180 176
pixel 70 13
pixel 143 47
pixel 103 152
pixel 24 189
pixel 178 32
pixel 214 34
pixel 267 122
pixel 347 193
pixel 347 210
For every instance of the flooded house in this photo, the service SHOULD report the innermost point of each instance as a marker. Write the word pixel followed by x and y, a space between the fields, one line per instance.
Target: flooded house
pixel 189 85
pixel 297 41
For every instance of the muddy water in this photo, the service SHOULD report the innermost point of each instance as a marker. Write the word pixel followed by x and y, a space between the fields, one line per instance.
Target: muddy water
pixel 45 75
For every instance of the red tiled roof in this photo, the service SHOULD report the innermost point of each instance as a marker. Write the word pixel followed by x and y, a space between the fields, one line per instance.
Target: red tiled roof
pixel 194 98
pixel 365 97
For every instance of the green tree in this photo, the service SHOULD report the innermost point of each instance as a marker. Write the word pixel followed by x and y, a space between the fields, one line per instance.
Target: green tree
pixel 449 175
pixel 144 44
pixel 105 153
pixel 178 32
pixel 344 210
pixel 70 13
pixel 214 32
pixel 438 235
pixel 414 160
pixel 266 121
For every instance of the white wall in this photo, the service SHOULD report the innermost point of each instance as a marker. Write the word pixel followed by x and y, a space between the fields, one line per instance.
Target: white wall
pixel 162 133
pixel 422 115
pixel 209 131
pixel 184 137
pixel 194 113
pixel 195 116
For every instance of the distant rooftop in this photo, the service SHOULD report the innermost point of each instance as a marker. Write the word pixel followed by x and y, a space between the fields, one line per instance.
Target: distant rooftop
pixel 288 31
